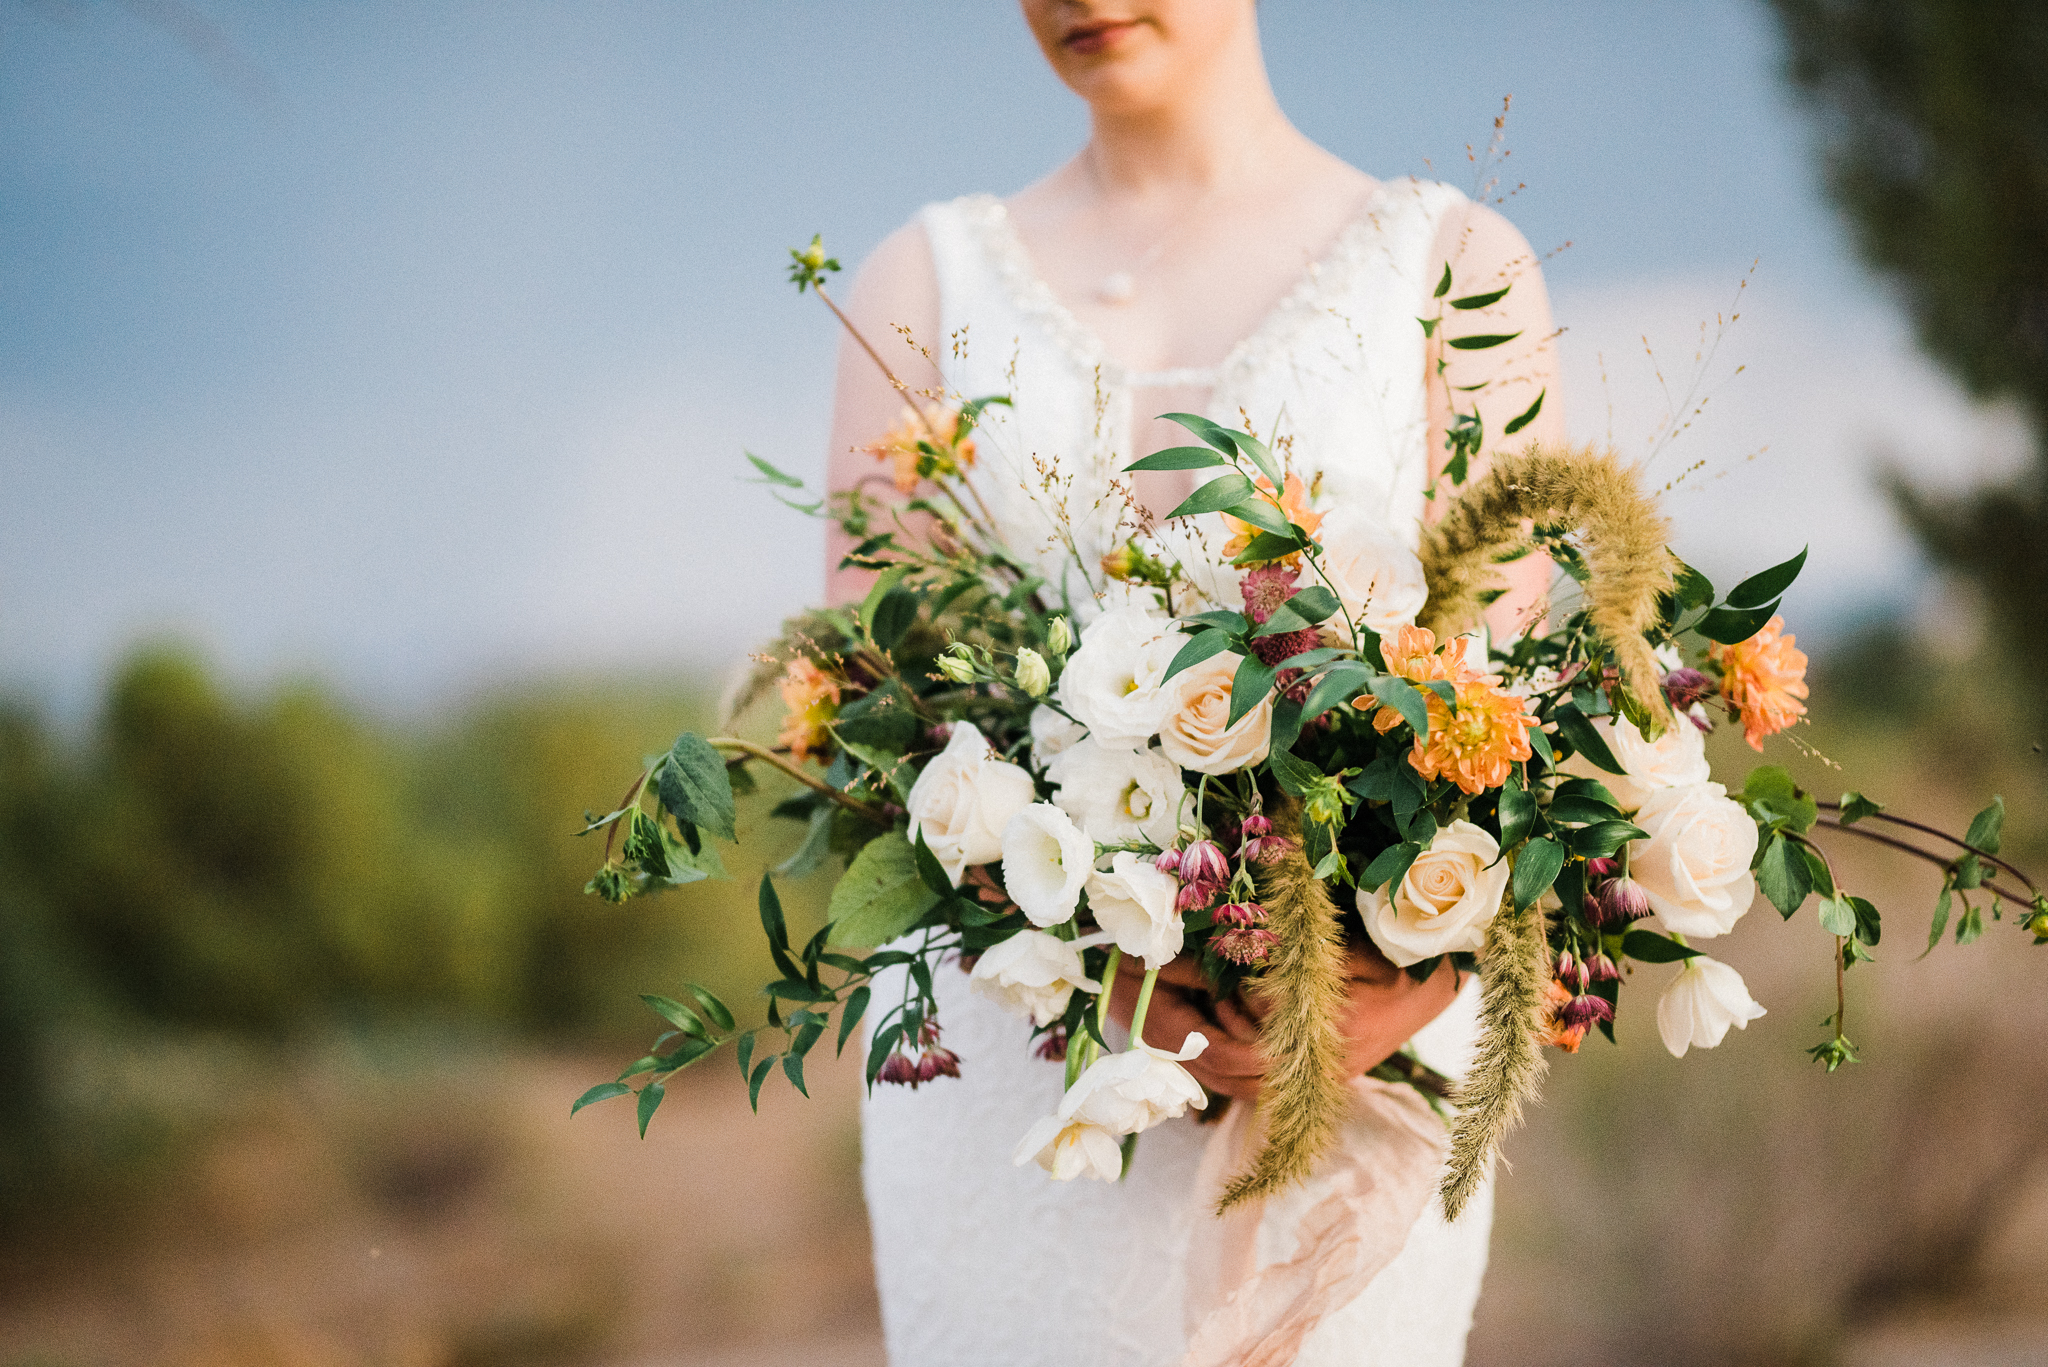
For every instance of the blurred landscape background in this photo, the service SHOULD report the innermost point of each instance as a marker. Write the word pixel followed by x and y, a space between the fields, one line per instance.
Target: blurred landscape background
pixel 372 385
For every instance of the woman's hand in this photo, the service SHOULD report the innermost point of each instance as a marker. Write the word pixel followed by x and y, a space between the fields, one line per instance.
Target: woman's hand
pixel 1385 1008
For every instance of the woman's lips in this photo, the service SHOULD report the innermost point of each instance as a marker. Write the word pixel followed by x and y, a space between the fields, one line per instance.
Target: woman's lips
pixel 1093 38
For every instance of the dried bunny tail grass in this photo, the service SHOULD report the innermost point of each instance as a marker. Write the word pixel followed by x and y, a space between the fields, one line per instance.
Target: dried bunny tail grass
pixel 1589 489
pixel 1304 1097
pixel 1513 966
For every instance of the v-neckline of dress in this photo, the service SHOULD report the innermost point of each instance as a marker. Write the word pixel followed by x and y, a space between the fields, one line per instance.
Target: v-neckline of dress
pixel 1085 347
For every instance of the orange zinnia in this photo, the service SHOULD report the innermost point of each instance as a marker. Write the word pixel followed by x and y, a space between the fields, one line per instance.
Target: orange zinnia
pixel 1293 505
pixel 1411 653
pixel 1475 745
pixel 1763 679
pixel 935 424
pixel 812 697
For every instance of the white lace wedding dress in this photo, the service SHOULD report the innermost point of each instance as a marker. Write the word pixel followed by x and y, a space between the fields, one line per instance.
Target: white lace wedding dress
pixel 983 1264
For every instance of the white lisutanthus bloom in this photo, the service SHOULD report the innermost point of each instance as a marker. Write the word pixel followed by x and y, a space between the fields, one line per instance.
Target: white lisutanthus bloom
pixel 1032 974
pixel 1135 1090
pixel 1444 902
pixel 1676 759
pixel 1196 731
pixel 1376 576
pixel 1070 1149
pixel 1052 737
pixel 1701 1003
pixel 1694 868
pixel 1113 684
pixel 1046 862
pixel 964 799
pixel 1120 797
pixel 1134 903
pixel 1034 676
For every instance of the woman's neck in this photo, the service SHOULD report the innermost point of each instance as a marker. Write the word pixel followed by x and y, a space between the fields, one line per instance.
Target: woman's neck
pixel 1214 133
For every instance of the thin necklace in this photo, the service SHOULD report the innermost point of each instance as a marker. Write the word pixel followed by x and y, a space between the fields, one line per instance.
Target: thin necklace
pixel 1120 287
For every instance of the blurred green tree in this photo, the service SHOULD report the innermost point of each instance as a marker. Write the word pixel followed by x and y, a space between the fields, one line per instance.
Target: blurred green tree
pixel 1933 119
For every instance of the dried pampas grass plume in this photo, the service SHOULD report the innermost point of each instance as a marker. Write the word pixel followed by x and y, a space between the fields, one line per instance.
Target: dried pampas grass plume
pixel 1590 490
pixel 1304 1097
pixel 1514 966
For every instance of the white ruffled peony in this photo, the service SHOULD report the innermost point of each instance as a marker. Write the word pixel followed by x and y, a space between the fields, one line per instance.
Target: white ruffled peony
pixel 1072 1148
pixel 1134 902
pixel 964 799
pixel 1052 738
pixel 1445 901
pixel 1046 863
pixel 1676 759
pixel 1695 866
pixel 1032 974
pixel 1196 732
pixel 1120 797
pixel 1113 684
pixel 1701 1003
pixel 1133 1091
pixel 1377 577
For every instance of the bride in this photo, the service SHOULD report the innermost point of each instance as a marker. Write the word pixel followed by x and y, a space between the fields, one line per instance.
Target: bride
pixel 1199 254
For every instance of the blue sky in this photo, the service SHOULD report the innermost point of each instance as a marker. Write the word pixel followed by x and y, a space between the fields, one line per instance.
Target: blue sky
pixel 414 345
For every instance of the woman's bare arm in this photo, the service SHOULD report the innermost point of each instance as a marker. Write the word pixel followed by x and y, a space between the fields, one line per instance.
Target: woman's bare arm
pixel 895 287
pixel 1486 252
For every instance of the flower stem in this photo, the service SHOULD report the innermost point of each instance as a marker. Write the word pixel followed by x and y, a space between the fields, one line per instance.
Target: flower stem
pixel 1936 832
pixel 1144 1004
pixel 1109 968
pixel 1930 856
pixel 764 754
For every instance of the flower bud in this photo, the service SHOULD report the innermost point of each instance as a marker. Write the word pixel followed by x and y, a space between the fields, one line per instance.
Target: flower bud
pixel 1256 825
pixel 1684 687
pixel 2038 925
pixel 957 668
pixel 1059 637
pixel 938 1063
pixel 1245 944
pixel 1602 969
pixel 1571 972
pixel 1326 801
pixel 1599 867
pixel 1167 861
pixel 1203 862
pixel 1240 914
pixel 1052 1046
pixel 1620 901
pixel 1194 896
pixel 1132 565
pixel 1032 674
pixel 898 1069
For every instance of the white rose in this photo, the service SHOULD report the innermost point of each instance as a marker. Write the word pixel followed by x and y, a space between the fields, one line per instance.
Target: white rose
pixel 1113 683
pixel 1032 974
pixel 1195 732
pixel 1134 903
pixel 1120 797
pixel 1052 736
pixel 1376 576
pixel 1445 901
pixel 1701 1003
pixel 964 799
pixel 1135 1090
pixel 1070 1149
pixel 1046 862
pixel 1676 759
pixel 1695 865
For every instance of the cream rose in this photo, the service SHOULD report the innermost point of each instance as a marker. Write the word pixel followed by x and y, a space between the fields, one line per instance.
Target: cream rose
pixel 1134 902
pixel 1444 902
pixel 963 800
pixel 1695 865
pixel 1114 684
pixel 1377 577
pixel 1032 974
pixel 1701 1003
pixel 1046 863
pixel 1120 797
pixel 1195 732
pixel 1676 759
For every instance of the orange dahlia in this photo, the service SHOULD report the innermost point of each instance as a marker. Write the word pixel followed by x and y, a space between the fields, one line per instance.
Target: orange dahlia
pixel 812 697
pixel 1293 505
pixel 934 424
pixel 1475 744
pixel 1763 680
pixel 1411 653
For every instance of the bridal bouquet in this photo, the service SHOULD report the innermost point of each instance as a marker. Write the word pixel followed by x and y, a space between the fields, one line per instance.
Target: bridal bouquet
pixel 1035 790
